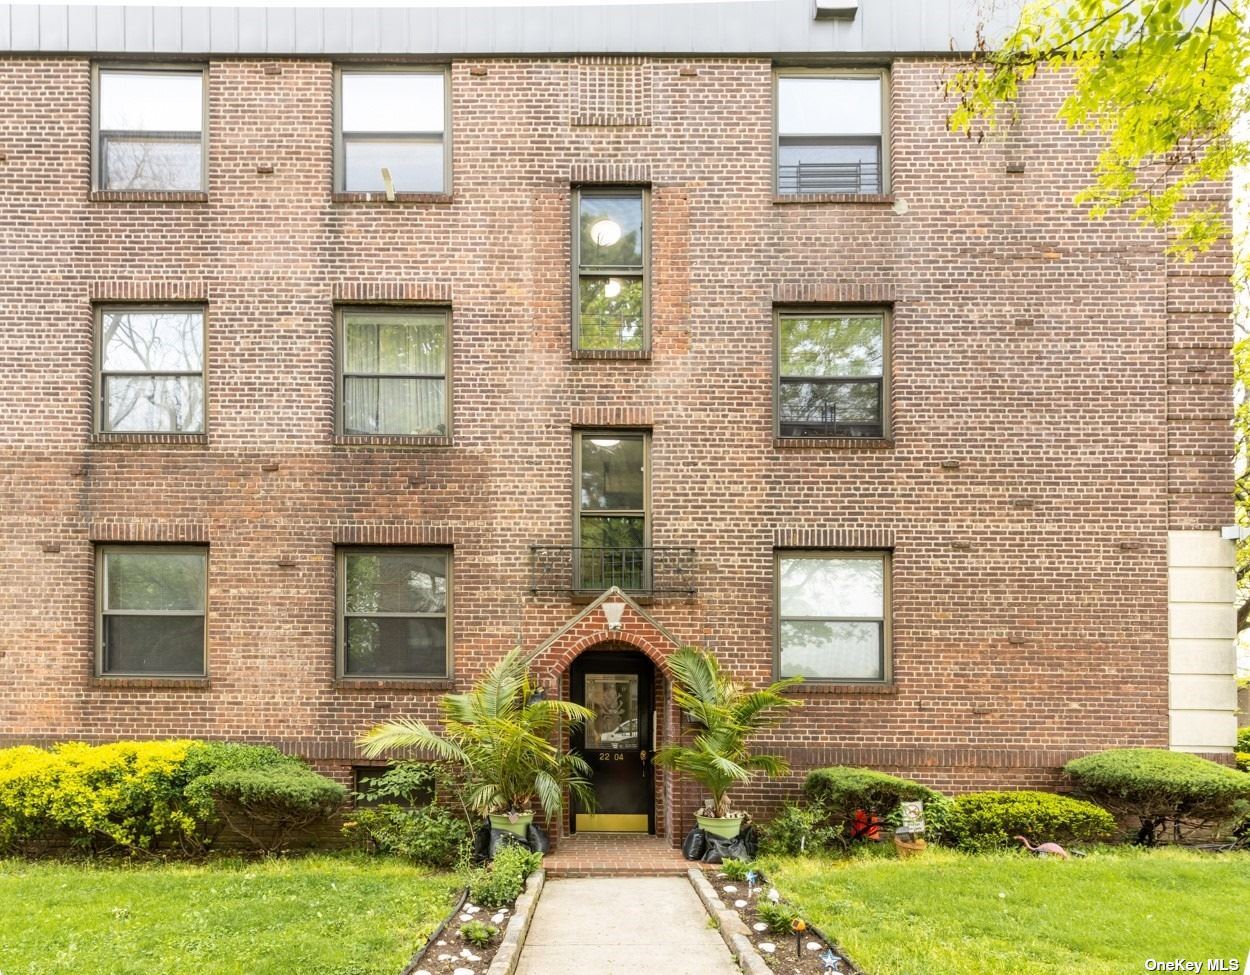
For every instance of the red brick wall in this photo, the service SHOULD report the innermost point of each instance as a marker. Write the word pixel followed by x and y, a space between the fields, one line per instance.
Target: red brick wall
pixel 1078 378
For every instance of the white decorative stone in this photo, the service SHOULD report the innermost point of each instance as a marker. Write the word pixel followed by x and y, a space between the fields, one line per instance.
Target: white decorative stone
pixel 466 953
pixel 730 889
pixel 740 903
pixel 767 947
pixel 760 926
pixel 463 971
pixel 446 957
pixel 466 917
pixel 497 918
pixel 423 971
pixel 441 943
pixel 813 946
pixel 472 908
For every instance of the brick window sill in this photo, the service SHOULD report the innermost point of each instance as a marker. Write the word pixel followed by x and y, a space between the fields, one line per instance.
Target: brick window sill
pixel 395 684
pixel 162 439
pixel 148 196
pixel 831 687
pixel 383 440
pixel 379 199
pixel 865 199
pixel 834 443
pixel 152 683
pixel 642 355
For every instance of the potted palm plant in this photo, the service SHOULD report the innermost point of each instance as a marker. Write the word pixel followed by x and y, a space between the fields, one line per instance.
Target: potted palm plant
pixel 498 737
pixel 726 716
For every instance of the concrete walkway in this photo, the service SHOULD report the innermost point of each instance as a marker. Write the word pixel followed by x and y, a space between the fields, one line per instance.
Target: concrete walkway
pixel 622 926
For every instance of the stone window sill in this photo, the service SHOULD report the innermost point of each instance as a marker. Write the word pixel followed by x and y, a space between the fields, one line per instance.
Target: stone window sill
pixel 395 684
pixel 152 683
pixel 162 439
pixel 834 443
pixel 832 687
pixel 379 199
pixel 643 355
pixel 386 440
pixel 871 199
pixel 148 196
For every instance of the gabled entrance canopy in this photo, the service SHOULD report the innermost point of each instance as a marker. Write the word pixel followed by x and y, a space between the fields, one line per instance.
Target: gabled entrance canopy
pixel 612 618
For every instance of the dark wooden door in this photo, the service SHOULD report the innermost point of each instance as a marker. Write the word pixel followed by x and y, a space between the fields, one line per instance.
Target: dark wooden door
pixel 617 686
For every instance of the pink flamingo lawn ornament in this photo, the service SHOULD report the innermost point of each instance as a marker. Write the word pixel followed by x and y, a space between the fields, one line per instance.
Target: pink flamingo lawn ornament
pixel 1044 849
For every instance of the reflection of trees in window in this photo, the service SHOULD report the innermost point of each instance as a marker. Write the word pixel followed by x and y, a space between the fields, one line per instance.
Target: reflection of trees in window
pixel 832 616
pixel 150 129
pixel 152 371
pixel 394 613
pixel 612 506
pixel 831 371
pixel 611 270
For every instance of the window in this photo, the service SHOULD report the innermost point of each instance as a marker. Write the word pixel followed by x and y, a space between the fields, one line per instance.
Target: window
pixel 611 259
pixel 394 372
pixel 612 502
pixel 830 133
pixel 833 622
pixel 151 376
pixel 393 615
pixel 831 373
pixel 150 129
pixel 150 610
pixel 392 122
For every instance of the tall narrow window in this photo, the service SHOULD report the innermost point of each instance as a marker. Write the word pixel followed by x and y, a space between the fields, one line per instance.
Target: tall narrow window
pixel 150 609
pixel 391 123
pixel 393 616
pixel 151 377
pixel 394 372
pixel 611 260
pixel 832 615
pixel 831 373
pixel 150 129
pixel 612 509
pixel 831 133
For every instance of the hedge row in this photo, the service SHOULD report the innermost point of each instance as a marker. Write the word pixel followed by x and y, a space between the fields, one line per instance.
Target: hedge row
pixel 156 796
pixel 1149 788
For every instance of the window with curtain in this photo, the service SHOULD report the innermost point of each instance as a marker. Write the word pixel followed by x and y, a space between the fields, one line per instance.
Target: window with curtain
pixel 394 372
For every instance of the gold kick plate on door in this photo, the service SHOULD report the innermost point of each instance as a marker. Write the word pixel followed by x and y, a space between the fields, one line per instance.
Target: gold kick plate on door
pixel 611 822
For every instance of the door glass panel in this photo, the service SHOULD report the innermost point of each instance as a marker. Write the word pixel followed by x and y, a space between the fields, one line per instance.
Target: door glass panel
pixel 614 700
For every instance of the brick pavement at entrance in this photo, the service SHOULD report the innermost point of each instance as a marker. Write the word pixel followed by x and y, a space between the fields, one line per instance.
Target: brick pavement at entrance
pixel 614 855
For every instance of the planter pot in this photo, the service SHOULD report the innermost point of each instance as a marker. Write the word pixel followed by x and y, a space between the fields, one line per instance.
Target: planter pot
pixel 909 848
pixel 726 828
pixel 503 822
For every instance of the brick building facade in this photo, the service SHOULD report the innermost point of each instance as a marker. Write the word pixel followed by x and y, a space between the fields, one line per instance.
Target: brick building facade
pixel 1044 496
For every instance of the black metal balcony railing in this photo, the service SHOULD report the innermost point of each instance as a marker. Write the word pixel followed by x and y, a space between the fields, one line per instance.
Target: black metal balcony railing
pixel 587 571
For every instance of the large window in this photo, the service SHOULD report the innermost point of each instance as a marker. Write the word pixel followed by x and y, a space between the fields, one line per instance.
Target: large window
pixel 831 133
pixel 151 370
pixel 150 129
pixel 391 123
pixel 832 373
pixel 394 372
pixel 610 258
pixel 833 615
pixel 393 612
pixel 150 610
pixel 612 505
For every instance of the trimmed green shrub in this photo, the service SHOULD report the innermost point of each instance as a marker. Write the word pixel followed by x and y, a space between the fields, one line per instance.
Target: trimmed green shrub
pixel 478 933
pixel 838 793
pixel 986 820
pixel 1158 787
pixel 500 883
pixel 432 836
pixel 797 830
pixel 1243 748
pixel 266 806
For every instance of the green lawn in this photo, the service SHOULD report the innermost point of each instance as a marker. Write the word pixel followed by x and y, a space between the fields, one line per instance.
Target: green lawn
pixel 946 913
pixel 322 915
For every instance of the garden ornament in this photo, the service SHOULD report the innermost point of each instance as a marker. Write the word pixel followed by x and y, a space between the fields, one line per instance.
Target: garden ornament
pixel 1044 849
pixel 831 961
pixel 798 926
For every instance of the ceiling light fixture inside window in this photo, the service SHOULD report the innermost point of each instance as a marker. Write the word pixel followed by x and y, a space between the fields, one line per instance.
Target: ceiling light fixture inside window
pixel 605 232
pixel 612 288
pixel 600 442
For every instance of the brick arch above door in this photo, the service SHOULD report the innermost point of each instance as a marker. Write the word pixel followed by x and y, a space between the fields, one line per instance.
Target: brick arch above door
pixel 594 627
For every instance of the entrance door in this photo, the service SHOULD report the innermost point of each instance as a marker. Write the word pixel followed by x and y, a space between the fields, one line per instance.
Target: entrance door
pixel 617 744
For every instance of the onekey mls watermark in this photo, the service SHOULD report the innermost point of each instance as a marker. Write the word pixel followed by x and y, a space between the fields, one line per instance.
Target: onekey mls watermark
pixel 1197 966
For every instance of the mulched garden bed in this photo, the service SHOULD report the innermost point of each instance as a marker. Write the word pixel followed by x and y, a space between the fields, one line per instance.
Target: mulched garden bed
pixel 785 952
pixel 449 953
